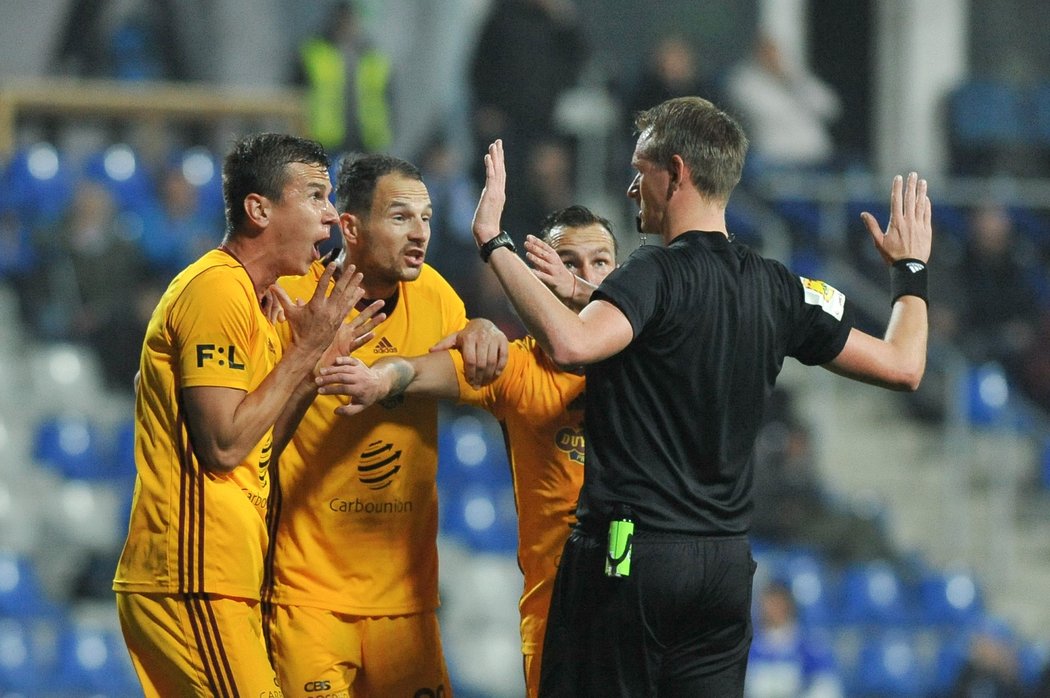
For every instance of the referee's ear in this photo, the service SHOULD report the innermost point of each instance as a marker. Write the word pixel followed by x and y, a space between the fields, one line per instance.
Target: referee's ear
pixel 679 173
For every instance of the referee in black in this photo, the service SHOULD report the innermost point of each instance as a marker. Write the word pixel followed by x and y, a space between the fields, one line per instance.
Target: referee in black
pixel 682 345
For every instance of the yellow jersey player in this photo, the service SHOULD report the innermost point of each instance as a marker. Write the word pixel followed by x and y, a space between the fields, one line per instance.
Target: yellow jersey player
pixel 539 404
pixel 352 588
pixel 212 384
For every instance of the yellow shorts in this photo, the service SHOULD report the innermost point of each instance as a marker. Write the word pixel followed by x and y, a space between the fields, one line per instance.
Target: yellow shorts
pixel 196 645
pixel 324 654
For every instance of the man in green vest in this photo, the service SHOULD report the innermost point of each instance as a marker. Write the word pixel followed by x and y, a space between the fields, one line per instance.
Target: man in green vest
pixel 348 83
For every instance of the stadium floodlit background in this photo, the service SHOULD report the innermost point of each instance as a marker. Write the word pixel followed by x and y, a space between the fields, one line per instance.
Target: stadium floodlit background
pixel 922 521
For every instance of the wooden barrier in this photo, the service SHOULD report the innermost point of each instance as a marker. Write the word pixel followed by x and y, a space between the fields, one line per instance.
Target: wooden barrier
pixel 72 98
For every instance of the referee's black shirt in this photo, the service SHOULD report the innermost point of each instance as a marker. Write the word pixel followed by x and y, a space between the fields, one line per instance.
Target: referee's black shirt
pixel 671 420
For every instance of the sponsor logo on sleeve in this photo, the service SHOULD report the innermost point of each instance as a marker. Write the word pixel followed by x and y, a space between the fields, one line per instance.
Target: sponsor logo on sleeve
pixel 218 354
pixel 828 298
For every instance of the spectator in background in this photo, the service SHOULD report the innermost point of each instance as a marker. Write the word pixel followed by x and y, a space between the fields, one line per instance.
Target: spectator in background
pixel 992 666
pixel 672 70
pixel 181 230
pixel 528 54
pixel 348 85
pixel 87 264
pixel 785 660
pixel 454 195
pixel 792 506
pixel 1035 370
pixel 18 256
pixel 998 308
pixel 548 186
pixel 129 40
pixel 786 110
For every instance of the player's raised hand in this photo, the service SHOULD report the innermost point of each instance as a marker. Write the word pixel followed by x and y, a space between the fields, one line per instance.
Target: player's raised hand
pixel 550 269
pixel 314 324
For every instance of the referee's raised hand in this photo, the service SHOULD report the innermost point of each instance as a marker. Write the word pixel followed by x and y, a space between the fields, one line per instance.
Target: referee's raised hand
pixel 909 232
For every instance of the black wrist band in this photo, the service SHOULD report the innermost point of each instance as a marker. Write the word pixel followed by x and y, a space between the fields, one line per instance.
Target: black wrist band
pixel 501 240
pixel 908 277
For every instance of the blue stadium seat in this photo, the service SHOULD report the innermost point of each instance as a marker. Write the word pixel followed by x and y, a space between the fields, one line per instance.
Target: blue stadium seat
pixel 806 261
pixel 21 594
pixel 470 451
pixel 743 225
pixel 889 664
pixel 202 169
pixel 948 661
pixel 21 669
pixel 481 516
pixel 120 170
pixel 949 598
pixel 73 446
pixel 872 593
pixel 95 661
pixel 987 113
pixel 986 394
pixel 952 221
pixel 1044 464
pixel 38 184
pixel 811 586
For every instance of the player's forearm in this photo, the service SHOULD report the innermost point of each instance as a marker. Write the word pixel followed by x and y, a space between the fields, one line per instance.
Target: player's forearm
pixel 554 326
pixel 430 375
pixel 231 440
pixel 393 375
pixel 294 410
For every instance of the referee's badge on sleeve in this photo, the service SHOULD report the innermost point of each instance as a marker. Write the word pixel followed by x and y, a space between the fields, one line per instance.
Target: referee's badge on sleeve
pixel 830 299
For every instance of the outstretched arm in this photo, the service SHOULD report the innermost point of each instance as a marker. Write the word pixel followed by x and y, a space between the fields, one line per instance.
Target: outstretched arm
pixel 598 332
pixel 484 350
pixel 898 360
pixel 430 375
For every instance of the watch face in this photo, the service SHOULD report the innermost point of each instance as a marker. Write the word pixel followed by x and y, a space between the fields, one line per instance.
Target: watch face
pixel 501 240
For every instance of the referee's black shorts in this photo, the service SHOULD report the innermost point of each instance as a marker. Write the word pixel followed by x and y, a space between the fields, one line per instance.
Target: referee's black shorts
pixel 679 625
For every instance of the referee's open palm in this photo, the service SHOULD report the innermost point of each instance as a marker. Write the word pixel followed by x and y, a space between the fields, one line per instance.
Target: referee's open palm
pixel 909 234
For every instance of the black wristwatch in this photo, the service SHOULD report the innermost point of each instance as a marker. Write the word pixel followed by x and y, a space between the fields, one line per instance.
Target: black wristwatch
pixel 501 240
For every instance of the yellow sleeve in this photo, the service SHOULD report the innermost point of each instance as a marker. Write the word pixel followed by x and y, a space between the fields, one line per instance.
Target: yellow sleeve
pixel 216 337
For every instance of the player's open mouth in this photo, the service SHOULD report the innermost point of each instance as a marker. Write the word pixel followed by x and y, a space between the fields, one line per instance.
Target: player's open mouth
pixel 415 257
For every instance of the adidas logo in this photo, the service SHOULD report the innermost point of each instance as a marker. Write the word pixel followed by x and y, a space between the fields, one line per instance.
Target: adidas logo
pixel 915 267
pixel 383 346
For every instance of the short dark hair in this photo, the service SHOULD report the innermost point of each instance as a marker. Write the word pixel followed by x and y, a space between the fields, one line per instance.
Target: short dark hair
pixel 574 216
pixel 710 142
pixel 358 174
pixel 258 164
